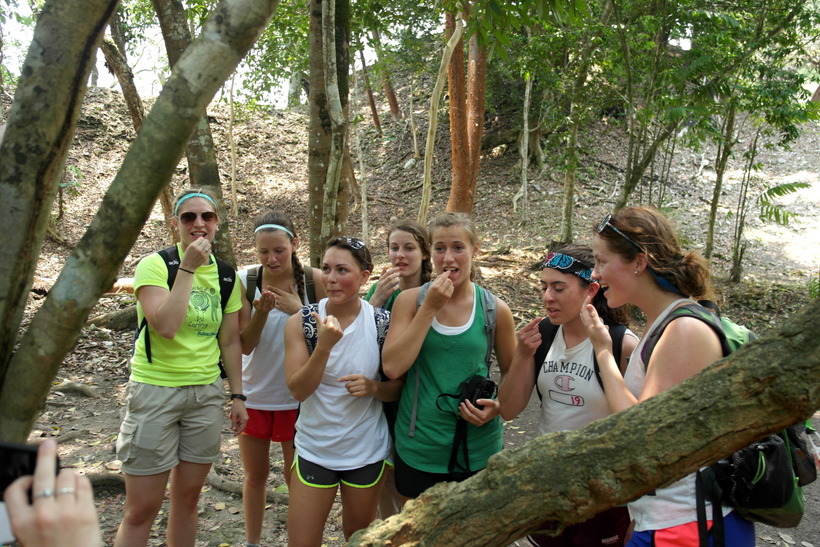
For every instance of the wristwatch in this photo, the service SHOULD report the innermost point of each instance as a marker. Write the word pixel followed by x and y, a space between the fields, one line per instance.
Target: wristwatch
pixel 239 396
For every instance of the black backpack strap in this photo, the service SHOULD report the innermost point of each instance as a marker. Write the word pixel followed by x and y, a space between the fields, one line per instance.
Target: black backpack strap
pixel 686 310
pixel 169 255
pixel 548 332
pixel 707 489
pixel 310 285
pixel 227 278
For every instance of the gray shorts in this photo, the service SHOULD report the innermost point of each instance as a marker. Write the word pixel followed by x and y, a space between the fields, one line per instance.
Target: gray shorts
pixel 164 425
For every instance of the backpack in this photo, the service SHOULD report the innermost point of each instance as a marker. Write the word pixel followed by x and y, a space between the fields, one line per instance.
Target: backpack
pixel 227 278
pixel 762 481
pixel 548 333
pixel 255 282
pixel 311 330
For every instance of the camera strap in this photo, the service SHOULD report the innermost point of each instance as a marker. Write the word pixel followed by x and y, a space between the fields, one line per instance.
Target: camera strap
pixel 459 472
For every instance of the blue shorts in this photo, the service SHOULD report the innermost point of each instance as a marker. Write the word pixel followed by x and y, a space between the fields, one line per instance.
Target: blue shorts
pixel 316 476
pixel 738 532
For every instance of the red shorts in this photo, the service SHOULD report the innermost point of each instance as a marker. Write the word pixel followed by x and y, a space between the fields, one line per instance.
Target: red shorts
pixel 276 425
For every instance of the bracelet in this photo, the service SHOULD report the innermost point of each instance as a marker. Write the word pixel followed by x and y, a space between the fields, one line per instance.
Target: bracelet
pixel 239 396
pixel 184 270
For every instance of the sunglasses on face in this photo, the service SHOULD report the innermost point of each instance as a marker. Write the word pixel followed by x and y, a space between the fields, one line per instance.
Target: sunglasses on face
pixel 606 223
pixel 190 217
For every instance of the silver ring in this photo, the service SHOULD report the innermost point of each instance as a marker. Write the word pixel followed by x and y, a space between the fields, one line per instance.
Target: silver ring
pixel 44 493
pixel 67 490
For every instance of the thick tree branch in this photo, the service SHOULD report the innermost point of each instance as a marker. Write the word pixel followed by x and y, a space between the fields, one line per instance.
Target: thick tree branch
pixel 228 34
pixel 568 477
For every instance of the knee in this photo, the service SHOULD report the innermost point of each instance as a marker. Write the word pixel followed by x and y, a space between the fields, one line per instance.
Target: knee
pixel 256 478
pixel 139 515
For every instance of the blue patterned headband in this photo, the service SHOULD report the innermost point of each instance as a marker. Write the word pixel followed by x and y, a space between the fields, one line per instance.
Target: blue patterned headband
pixel 193 195
pixel 567 264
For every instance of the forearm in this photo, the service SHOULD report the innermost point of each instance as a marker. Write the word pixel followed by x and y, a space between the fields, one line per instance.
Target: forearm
pixel 617 394
pixel 388 390
pixel 251 334
pixel 516 386
pixel 304 381
pixel 171 313
pixel 401 352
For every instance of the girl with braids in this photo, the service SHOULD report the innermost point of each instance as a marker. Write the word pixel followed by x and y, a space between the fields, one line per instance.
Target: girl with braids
pixel 342 440
pixel 639 260
pixel 173 416
pixel 408 248
pixel 280 291
pixel 564 373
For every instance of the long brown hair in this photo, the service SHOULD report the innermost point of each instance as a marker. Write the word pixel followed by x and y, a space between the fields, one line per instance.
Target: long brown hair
pixel 610 316
pixel 651 232
pixel 421 236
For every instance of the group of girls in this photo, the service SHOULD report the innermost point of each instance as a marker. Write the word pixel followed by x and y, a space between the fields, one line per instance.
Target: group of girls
pixel 356 428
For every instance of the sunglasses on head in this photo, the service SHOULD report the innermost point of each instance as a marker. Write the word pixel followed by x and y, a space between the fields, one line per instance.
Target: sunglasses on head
pixel 189 217
pixel 352 242
pixel 606 223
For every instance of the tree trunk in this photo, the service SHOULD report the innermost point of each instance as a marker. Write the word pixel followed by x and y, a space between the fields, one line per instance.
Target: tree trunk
pixel 427 183
pixel 460 183
pixel 115 59
pixel 325 126
pixel 568 477
pixel 724 151
pixel 374 112
pixel 389 92
pixel 203 170
pixel 39 131
pixel 60 70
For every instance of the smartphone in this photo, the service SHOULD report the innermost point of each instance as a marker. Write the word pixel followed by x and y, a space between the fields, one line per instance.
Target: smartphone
pixel 16 460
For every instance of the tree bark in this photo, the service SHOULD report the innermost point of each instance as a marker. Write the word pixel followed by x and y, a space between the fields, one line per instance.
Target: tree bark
pixel 203 170
pixel 389 92
pixel 39 130
pixel 568 477
pixel 229 32
pixel 459 144
pixel 368 90
pixel 427 182
pixel 323 128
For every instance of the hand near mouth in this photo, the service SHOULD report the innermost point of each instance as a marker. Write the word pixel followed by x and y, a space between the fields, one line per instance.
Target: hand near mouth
pixel 439 293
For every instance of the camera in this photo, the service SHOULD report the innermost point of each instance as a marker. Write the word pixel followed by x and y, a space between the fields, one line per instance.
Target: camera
pixel 478 387
pixel 16 460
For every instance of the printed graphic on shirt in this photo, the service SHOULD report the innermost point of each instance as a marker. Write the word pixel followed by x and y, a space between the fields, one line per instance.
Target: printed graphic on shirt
pixel 566 374
pixel 206 303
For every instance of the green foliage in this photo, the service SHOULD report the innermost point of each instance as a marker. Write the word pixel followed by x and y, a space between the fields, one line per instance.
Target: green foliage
pixel 772 212
pixel 814 287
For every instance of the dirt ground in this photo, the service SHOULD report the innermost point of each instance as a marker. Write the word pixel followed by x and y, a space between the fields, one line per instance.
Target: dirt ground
pixel 83 410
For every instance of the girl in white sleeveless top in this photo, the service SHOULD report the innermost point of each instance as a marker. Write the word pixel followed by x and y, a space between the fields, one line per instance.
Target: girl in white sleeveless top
pixel 639 261
pixel 342 440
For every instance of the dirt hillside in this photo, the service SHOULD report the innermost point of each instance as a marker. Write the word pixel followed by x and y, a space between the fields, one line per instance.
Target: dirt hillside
pixel 272 173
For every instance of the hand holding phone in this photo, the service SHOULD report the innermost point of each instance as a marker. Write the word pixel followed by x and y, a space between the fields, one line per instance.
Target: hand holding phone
pixel 48 508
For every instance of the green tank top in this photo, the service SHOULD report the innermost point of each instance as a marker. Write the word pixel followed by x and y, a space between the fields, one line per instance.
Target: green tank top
pixel 443 363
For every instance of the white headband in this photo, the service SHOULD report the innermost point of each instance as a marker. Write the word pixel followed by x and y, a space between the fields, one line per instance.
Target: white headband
pixel 274 227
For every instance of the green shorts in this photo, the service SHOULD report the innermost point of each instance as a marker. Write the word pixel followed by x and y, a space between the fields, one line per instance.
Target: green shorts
pixel 164 425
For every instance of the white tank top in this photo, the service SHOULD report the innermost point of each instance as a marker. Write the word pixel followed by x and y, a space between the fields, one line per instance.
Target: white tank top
pixel 674 504
pixel 571 396
pixel 335 429
pixel 263 370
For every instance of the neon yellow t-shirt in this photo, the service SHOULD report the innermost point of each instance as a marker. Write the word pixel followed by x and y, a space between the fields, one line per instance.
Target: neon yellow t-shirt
pixel 191 357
